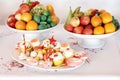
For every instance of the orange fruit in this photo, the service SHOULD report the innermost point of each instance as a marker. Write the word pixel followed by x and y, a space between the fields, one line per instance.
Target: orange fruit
pixel 109 27
pixel 55 19
pixel 26 17
pixel 106 17
pixel 96 21
pixel 50 8
pixel 98 30
pixel 20 25
pixel 32 25
pixel 102 11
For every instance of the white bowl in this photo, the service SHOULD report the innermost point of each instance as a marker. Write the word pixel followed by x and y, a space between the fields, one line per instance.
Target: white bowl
pixel 30 34
pixel 91 41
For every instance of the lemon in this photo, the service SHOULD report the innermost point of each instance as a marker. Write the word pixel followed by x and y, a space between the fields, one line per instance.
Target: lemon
pixel 26 17
pixel 32 25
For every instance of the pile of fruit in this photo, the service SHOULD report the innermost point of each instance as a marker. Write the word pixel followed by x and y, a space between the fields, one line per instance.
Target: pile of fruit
pixel 32 15
pixel 91 22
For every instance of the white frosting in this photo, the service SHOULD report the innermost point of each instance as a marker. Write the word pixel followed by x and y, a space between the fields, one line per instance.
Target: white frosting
pixel 46 43
pixel 64 46
pixel 57 56
pixel 68 53
pixel 33 54
pixel 35 42
pixel 22 56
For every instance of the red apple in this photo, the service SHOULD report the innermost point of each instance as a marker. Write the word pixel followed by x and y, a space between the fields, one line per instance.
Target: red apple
pixel 87 31
pixel 24 8
pixel 78 30
pixel 84 20
pixel 11 21
pixel 69 27
pixel 94 12
pixel 89 26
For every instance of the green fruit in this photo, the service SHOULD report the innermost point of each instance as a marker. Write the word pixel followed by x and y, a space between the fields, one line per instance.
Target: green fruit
pixel 52 24
pixel 42 27
pixel 48 26
pixel 43 23
pixel 68 17
pixel 36 18
pixel 49 19
pixel 46 13
pixel 43 18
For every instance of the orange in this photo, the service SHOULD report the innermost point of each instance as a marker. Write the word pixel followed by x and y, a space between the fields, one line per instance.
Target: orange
pixel 26 17
pixel 51 9
pixel 102 11
pixel 55 19
pixel 32 25
pixel 98 30
pixel 20 25
pixel 109 27
pixel 96 21
pixel 106 17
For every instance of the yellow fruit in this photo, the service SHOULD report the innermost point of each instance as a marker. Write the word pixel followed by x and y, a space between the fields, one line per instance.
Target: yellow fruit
pixel 32 25
pixel 109 27
pixel 58 62
pixel 55 19
pixel 102 11
pixel 20 25
pixel 98 30
pixel 106 17
pixel 26 17
pixel 96 21
pixel 51 9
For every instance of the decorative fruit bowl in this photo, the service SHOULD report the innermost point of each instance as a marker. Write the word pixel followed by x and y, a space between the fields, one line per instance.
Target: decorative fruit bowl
pixel 91 26
pixel 32 17
pixel 48 54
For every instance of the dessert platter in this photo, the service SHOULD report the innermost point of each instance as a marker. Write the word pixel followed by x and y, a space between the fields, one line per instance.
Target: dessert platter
pixel 91 26
pixel 48 55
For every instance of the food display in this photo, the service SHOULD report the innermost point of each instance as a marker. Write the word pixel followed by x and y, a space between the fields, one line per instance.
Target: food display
pixel 91 22
pixel 49 53
pixel 32 15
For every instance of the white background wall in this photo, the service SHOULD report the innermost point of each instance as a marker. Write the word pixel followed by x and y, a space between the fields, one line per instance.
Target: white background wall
pixel 62 6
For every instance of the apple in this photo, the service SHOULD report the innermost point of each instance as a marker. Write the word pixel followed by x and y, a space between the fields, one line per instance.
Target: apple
pixel 78 30
pixel 75 21
pixel 94 12
pixel 84 20
pixel 24 8
pixel 89 26
pixel 11 21
pixel 18 15
pixel 69 27
pixel 87 31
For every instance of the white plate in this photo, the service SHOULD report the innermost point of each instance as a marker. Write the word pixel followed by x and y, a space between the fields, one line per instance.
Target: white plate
pixel 15 53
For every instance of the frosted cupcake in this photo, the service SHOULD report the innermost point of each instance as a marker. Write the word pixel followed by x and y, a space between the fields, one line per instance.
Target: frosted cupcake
pixel 68 53
pixel 57 58
pixel 64 46
pixel 35 42
pixel 46 43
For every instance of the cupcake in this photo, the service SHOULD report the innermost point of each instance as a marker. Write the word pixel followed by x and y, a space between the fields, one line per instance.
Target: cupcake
pixel 57 58
pixel 35 42
pixel 68 53
pixel 46 43
pixel 64 46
